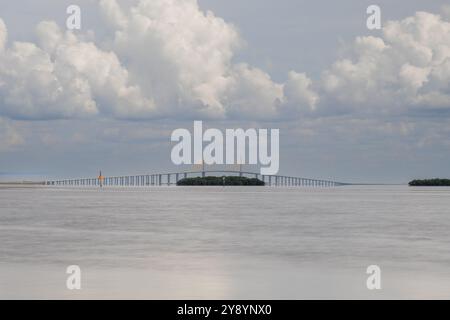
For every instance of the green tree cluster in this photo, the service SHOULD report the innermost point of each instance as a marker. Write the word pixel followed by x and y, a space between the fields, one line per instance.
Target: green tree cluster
pixel 430 183
pixel 220 181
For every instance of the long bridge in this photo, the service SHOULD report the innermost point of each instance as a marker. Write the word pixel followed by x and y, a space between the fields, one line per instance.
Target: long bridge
pixel 168 179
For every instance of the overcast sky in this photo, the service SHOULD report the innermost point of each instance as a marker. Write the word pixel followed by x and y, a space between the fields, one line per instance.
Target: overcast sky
pixel 351 104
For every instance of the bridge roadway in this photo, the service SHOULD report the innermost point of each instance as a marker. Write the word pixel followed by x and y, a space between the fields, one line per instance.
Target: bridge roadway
pixel 167 179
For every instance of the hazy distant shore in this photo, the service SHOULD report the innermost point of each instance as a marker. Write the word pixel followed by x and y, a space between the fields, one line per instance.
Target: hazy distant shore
pixel 24 184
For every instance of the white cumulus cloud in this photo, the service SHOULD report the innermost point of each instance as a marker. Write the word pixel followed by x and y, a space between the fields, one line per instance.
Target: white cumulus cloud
pixel 407 68
pixel 165 58
pixel 169 58
pixel 62 77
pixel 184 56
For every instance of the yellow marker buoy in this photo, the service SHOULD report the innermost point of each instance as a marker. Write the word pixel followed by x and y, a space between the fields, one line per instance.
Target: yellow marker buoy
pixel 100 179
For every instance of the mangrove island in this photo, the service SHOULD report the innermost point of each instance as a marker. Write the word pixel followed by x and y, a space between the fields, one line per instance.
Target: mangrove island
pixel 220 181
pixel 430 183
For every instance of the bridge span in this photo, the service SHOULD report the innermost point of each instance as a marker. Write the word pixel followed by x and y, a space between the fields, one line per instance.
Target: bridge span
pixel 168 179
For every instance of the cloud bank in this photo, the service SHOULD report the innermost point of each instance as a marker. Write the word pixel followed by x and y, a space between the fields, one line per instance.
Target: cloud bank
pixel 408 69
pixel 63 76
pixel 168 58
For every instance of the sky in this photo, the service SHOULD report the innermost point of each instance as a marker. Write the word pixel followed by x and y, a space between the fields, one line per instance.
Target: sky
pixel 352 104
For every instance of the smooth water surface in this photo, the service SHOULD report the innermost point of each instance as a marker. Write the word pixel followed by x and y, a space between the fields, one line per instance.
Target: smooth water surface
pixel 234 242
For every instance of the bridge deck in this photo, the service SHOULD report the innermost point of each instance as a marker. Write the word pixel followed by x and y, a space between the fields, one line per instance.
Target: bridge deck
pixel 172 178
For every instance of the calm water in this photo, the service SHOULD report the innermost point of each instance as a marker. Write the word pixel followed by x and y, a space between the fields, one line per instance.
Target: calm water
pixel 225 242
